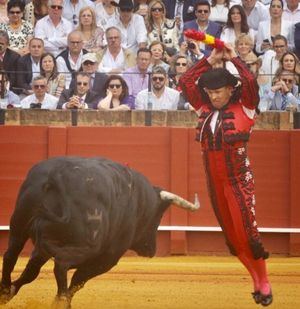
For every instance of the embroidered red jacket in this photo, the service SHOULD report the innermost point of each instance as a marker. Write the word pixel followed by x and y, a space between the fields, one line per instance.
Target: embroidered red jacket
pixel 235 125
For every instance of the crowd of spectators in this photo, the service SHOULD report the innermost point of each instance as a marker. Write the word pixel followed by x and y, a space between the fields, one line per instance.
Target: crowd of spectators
pixel 130 54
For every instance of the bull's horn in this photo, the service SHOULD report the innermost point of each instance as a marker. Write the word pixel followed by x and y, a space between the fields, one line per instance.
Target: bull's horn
pixel 179 201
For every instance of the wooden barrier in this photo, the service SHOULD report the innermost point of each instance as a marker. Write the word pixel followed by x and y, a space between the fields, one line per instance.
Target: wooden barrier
pixel 169 157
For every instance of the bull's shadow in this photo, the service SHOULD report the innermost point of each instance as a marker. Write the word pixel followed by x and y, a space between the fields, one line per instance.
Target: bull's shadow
pixel 85 214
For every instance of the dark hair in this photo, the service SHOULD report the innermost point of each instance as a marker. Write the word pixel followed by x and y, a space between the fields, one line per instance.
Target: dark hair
pixel 3 34
pixel 54 73
pixel 226 4
pixel 201 2
pixel 279 37
pixel 124 92
pixel 244 23
pixel 36 39
pixel 143 50
pixel 15 3
pixel 279 1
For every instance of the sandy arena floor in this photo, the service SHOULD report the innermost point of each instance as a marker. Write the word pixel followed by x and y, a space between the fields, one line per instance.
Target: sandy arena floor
pixel 172 282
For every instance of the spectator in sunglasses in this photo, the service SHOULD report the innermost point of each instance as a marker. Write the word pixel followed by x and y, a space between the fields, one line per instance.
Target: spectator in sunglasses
pixel 159 27
pixel 81 97
pixel 72 8
pixel 40 98
pixel 53 28
pixel 19 31
pixel 116 95
pixel 159 97
pixel 131 25
pixel 284 93
pixel 203 24
pixel 179 65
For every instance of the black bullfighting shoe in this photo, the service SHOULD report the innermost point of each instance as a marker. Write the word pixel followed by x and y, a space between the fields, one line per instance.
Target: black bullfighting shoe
pixel 256 296
pixel 266 300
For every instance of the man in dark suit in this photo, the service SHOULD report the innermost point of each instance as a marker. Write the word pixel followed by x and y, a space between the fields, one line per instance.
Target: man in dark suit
pixel 82 97
pixel 29 65
pixel 201 23
pixel 182 8
pixel 8 61
pixel 89 64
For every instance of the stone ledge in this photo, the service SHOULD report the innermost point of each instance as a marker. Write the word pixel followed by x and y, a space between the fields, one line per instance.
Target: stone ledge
pixel 272 120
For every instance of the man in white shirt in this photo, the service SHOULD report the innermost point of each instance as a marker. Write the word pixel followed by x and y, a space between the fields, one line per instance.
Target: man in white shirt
pixel 72 8
pixel 114 58
pixel 40 98
pixel 132 26
pixel 291 11
pixel 256 12
pixel 161 97
pixel 53 29
pixel 69 60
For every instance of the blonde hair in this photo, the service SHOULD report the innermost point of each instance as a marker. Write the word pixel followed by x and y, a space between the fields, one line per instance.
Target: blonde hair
pixel 94 23
pixel 244 38
pixel 148 18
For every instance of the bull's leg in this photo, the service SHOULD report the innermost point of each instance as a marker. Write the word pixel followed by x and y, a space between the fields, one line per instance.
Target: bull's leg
pixel 10 258
pixel 62 299
pixel 30 272
pixel 90 270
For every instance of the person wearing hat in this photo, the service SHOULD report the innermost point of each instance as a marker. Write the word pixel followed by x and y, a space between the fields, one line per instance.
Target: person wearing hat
pixel 89 64
pixel 131 25
pixel 226 107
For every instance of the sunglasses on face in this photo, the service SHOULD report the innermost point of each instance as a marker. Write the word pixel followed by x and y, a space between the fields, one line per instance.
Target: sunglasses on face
pixel 157 10
pixel 112 86
pixel 56 7
pixel 279 46
pixel 82 83
pixel 39 86
pixel 181 64
pixel 202 11
pixel 155 79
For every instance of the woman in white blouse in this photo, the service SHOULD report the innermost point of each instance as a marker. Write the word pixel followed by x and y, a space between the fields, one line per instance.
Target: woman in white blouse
pixel 159 27
pixel 219 10
pixel 236 25
pixel 105 11
pixel 276 25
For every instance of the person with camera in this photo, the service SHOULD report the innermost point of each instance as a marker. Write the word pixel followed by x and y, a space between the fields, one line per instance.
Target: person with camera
pixel 40 98
pixel 81 97
pixel 191 49
pixel 203 24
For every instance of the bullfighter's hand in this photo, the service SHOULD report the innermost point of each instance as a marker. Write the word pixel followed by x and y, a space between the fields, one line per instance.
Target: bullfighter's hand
pixel 215 57
pixel 229 52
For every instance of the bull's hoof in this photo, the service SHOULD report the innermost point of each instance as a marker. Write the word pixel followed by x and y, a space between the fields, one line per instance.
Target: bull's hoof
pixel 6 293
pixel 61 302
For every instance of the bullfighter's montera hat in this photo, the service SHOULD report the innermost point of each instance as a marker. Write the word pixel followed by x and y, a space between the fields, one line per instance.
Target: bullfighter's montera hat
pixel 217 78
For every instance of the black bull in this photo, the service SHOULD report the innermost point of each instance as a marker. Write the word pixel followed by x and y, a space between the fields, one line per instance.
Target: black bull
pixel 84 213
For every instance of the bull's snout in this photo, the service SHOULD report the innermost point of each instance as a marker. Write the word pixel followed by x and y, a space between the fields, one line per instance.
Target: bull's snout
pixel 179 201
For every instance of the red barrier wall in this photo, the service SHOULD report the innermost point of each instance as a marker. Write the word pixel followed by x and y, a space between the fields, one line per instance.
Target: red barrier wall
pixel 170 158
